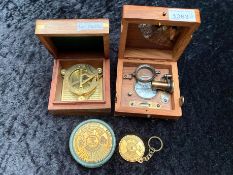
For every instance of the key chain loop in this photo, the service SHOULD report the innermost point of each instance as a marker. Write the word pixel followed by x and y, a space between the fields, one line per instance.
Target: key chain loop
pixel 152 148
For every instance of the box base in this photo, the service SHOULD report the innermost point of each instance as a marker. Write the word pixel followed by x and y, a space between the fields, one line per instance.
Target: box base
pixel 125 104
pixel 57 106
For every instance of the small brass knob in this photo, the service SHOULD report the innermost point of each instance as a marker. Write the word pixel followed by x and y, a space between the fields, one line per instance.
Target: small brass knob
pixel 181 100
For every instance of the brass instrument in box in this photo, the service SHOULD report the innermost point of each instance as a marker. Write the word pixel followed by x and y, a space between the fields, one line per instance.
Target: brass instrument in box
pixel 82 82
pixel 81 72
pixel 151 42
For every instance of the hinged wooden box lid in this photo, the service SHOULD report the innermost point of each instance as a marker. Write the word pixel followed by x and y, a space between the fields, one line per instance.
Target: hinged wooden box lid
pixel 156 32
pixel 77 36
pixel 152 40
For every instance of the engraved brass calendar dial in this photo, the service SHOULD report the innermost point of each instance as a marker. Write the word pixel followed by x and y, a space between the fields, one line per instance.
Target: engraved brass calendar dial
pixel 131 148
pixel 92 142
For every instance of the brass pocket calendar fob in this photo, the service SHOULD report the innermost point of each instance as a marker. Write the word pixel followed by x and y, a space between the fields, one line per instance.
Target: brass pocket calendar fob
pixel 132 148
pixel 82 80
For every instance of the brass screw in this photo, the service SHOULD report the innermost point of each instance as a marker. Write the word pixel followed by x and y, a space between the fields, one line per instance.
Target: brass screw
pixel 158 106
pixel 164 28
pixel 130 93
pixel 63 72
pixel 99 70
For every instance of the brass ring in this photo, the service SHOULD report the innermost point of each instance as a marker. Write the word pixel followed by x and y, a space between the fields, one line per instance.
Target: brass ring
pixel 161 143
pixel 148 67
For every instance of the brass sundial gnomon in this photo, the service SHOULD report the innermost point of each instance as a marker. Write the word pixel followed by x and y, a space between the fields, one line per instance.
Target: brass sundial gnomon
pixel 82 82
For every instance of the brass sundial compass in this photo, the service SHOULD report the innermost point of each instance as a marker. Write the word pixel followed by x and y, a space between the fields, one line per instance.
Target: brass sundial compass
pixel 82 82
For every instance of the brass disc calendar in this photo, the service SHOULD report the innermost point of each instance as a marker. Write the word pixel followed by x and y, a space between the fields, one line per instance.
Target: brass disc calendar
pixel 92 143
pixel 131 148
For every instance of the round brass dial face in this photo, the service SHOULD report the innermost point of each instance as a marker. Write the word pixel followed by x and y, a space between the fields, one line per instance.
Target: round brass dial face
pixel 82 78
pixel 131 148
pixel 92 142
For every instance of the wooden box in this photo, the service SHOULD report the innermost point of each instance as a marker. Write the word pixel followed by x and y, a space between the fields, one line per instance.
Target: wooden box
pixel 71 42
pixel 135 49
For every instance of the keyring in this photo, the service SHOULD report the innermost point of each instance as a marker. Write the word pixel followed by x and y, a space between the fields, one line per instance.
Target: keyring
pixel 132 148
pixel 161 143
pixel 147 67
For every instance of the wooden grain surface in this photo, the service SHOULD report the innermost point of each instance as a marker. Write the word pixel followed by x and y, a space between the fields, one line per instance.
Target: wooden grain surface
pixel 68 27
pixel 155 15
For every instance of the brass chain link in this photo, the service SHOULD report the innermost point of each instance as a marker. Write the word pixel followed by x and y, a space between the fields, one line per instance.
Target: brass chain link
pixel 148 156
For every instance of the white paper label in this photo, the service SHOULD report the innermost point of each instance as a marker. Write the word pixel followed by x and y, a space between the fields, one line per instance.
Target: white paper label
pixel 181 15
pixel 90 26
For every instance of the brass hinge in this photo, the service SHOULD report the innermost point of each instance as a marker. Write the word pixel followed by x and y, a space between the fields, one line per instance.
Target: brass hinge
pixel 181 100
